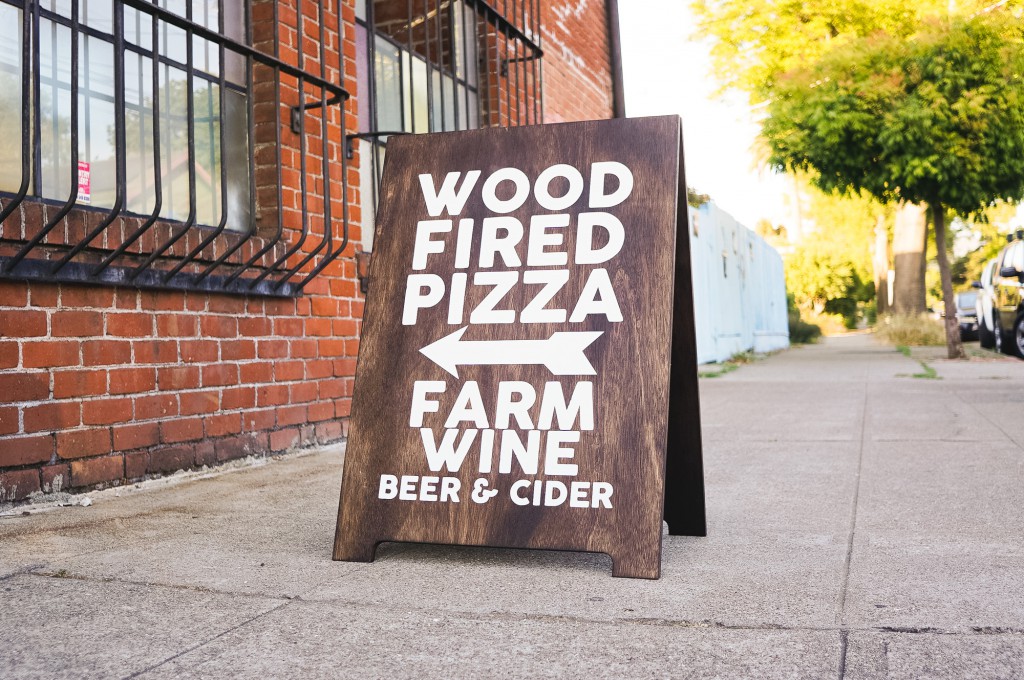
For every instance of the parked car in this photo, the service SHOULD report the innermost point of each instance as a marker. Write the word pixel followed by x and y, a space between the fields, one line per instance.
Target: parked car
pixel 1008 306
pixel 967 314
pixel 983 305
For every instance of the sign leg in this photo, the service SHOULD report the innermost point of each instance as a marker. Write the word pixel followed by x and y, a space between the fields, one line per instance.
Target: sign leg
pixel 641 564
pixel 684 460
pixel 345 551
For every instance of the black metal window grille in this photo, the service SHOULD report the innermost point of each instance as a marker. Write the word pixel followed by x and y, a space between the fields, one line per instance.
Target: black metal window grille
pixel 139 125
pixel 439 65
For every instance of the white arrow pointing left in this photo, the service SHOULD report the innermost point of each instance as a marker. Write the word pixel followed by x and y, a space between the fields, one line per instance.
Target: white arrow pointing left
pixel 562 353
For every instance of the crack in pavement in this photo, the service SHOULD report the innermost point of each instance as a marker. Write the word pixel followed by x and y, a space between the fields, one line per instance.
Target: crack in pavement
pixel 157 584
pixel 205 642
pixel 985 417
pixel 841 613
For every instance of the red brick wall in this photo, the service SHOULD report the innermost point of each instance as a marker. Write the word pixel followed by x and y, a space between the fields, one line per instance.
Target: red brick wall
pixel 105 385
pixel 102 385
pixel 577 69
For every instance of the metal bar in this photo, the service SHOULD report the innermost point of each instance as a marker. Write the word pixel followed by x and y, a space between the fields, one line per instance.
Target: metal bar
pixel 73 193
pixel 325 165
pixel 119 144
pixel 429 67
pixel 251 144
pixel 190 127
pixel 301 88
pixel 518 88
pixel 274 268
pixel 279 231
pixel 198 30
pixel 27 42
pixel 350 148
pixel 37 144
pixel 499 20
pixel 540 63
pixel 440 60
pixel 412 71
pixel 327 239
pixel 497 75
pixel 201 246
pixel 452 42
pixel 535 29
pixel 296 121
pixel 157 179
pixel 483 33
pixel 615 55
pixel 522 21
pixel 344 220
pixel 508 82
pixel 81 272
pixel 465 62
pixel 371 71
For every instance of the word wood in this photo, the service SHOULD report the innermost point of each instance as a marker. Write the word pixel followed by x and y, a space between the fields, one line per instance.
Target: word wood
pixel 527 371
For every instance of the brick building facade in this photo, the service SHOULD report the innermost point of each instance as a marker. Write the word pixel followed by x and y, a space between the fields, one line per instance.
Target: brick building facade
pixel 104 378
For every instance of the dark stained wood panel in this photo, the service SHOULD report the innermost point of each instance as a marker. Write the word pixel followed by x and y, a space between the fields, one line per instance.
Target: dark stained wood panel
pixel 484 370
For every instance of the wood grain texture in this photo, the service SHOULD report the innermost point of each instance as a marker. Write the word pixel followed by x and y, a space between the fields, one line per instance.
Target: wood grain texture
pixel 627 447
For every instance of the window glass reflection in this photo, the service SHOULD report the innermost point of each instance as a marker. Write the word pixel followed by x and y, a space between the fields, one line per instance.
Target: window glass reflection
pixel 220 138
pixel 10 99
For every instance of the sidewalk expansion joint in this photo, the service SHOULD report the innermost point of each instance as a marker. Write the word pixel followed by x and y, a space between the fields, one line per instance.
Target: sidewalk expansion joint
pixel 205 642
pixel 844 588
pixel 65 574
pixel 987 419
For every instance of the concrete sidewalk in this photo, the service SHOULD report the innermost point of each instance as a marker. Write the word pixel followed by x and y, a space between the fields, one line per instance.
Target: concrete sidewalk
pixel 862 524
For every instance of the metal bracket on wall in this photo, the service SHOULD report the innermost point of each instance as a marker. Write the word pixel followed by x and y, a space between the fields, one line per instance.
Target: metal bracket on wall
pixel 350 149
pixel 516 60
pixel 297 112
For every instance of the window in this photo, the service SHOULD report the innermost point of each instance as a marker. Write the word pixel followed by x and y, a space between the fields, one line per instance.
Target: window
pixel 184 79
pixel 441 65
pixel 174 115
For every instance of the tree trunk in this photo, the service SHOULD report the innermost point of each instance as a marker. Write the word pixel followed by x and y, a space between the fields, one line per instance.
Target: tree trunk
pixel 954 347
pixel 880 264
pixel 909 242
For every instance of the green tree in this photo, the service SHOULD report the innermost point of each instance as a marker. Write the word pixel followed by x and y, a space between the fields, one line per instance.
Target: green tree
pixel 755 42
pixel 822 280
pixel 936 119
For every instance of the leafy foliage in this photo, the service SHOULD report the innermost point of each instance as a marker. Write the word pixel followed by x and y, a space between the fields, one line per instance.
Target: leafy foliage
pixel 754 42
pixel 695 199
pixel 824 281
pixel 935 119
pixel 911 330
pixel 800 331
pixel 938 119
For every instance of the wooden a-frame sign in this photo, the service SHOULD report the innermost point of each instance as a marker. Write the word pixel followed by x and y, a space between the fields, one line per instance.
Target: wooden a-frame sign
pixel 527 376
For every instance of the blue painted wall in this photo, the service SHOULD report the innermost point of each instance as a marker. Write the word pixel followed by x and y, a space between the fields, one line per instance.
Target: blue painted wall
pixel 739 288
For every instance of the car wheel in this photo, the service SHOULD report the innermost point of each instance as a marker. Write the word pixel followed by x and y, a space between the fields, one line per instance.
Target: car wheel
pixel 1017 346
pixel 986 337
